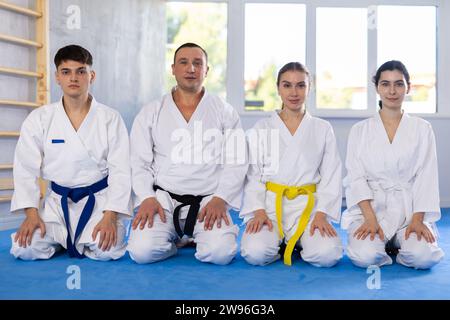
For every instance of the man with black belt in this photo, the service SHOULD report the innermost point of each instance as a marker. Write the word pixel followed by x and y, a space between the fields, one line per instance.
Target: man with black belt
pixel 185 175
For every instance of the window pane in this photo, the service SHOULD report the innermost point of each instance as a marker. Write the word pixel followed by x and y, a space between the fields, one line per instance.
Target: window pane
pixel 205 24
pixel 341 64
pixel 408 34
pixel 274 35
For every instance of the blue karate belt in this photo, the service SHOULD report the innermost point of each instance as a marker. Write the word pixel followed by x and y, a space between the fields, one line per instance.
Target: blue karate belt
pixel 194 207
pixel 76 194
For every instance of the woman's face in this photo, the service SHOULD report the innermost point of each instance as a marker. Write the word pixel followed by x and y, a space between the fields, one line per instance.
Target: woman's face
pixel 392 88
pixel 293 89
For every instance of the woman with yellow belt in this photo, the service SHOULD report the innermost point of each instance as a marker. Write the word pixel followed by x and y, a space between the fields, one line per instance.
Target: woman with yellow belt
pixel 293 187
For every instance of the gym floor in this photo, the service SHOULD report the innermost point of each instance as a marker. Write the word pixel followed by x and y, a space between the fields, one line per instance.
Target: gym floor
pixel 184 278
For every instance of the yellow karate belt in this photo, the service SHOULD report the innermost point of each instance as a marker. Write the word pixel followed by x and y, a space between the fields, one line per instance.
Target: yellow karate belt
pixel 292 193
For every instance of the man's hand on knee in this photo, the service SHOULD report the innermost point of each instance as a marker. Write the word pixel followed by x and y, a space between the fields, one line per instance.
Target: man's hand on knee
pixel 149 207
pixel 215 210
pixel 29 225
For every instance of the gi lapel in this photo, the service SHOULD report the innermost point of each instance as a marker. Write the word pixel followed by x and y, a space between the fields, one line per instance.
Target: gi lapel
pixel 78 151
pixel 294 146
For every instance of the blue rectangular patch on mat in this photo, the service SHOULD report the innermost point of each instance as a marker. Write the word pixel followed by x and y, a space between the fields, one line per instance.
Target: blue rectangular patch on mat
pixel 57 141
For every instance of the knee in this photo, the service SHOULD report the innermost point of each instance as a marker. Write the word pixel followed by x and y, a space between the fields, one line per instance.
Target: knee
pixel 326 255
pixel 321 251
pixel 218 252
pixel 363 254
pixel 35 251
pixel 330 256
pixel 420 254
pixel 114 253
pixel 363 260
pixel 258 253
pixel 23 253
pixel 148 250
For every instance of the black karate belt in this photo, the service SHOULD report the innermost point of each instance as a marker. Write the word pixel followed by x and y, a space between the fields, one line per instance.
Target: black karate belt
pixel 390 248
pixel 186 200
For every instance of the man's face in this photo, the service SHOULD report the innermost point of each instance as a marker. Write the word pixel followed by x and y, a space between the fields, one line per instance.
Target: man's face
pixel 190 69
pixel 74 78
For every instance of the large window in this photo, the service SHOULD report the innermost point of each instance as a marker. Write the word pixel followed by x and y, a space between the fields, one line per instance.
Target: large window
pixel 341 53
pixel 342 43
pixel 206 25
pixel 274 35
pixel 409 34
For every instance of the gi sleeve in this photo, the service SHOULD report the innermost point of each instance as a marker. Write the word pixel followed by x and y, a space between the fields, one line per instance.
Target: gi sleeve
pixel 356 186
pixel 118 158
pixel 254 188
pixel 27 164
pixel 426 183
pixel 235 164
pixel 141 145
pixel 329 189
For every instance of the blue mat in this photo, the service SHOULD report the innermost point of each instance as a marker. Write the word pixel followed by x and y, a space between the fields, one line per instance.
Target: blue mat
pixel 184 278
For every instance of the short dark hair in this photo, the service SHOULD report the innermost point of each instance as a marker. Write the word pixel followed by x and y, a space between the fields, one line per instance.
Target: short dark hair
pixel 391 66
pixel 75 53
pixel 292 66
pixel 190 45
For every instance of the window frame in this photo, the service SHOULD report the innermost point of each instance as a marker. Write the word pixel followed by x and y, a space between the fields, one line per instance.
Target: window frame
pixel 235 90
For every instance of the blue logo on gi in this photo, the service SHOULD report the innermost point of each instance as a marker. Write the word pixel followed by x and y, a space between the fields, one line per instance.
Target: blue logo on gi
pixel 57 141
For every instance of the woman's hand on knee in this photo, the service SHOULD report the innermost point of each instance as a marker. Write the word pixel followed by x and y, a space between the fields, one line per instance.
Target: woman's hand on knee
pixel 258 221
pixel 420 229
pixel 321 223
pixel 370 226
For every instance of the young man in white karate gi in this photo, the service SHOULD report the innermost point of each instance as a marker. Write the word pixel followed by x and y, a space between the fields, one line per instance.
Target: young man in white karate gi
pixel 80 147
pixel 182 187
